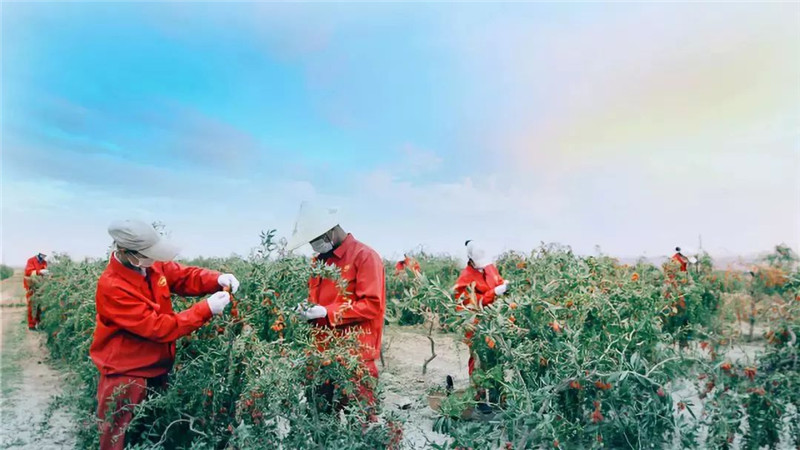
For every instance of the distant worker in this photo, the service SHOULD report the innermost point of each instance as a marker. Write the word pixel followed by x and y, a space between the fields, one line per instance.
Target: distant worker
pixel 478 285
pixel 684 261
pixel 361 307
pixel 680 259
pixel 407 263
pixel 136 329
pixel 36 266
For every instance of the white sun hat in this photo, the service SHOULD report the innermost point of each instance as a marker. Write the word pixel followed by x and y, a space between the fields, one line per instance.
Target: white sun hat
pixel 478 254
pixel 143 238
pixel 312 222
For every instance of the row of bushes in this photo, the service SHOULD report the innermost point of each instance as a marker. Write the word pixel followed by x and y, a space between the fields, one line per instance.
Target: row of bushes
pixel 582 353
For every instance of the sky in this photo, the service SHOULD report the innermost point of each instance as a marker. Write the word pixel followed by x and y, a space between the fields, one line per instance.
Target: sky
pixel 634 127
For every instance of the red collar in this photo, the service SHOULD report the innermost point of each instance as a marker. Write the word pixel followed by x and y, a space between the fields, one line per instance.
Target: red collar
pixel 131 275
pixel 346 244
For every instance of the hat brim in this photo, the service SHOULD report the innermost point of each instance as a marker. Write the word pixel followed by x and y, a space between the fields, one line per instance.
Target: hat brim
pixel 296 242
pixel 300 239
pixel 161 251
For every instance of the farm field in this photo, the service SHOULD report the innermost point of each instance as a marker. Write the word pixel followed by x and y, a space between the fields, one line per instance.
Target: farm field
pixel 28 384
pixel 583 352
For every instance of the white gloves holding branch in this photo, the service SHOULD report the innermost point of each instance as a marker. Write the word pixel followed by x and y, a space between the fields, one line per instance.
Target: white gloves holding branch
pixel 500 290
pixel 218 301
pixel 229 281
pixel 44 272
pixel 311 313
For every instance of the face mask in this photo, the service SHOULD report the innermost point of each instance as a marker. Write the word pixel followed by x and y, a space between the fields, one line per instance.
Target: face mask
pixel 322 245
pixel 142 261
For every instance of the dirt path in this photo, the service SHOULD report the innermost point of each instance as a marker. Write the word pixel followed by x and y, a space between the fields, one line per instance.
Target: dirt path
pixel 406 388
pixel 27 383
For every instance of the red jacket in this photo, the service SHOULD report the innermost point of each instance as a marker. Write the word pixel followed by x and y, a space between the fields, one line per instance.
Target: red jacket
pixel 474 286
pixel 682 260
pixel 362 305
pixel 136 326
pixel 33 266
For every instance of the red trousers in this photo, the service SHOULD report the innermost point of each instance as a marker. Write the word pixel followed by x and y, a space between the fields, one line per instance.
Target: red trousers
pixel 116 397
pixel 33 319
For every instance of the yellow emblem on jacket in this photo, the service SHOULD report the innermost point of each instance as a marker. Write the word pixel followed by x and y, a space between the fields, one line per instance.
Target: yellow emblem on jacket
pixel 162 281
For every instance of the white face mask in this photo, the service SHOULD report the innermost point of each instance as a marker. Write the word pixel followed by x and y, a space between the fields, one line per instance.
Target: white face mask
pixel 141 262
pixel 322 245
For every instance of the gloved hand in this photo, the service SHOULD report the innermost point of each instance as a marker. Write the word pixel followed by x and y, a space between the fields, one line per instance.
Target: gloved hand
pixel 229 281
pixel 314 312
pixel 500 290
pixel 44 272
pixel 218 301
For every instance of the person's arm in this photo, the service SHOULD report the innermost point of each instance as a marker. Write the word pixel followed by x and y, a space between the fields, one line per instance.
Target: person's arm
pixel 493 279
pixel 369 294
pixel 460 289
pixel 30 268
pixel 135 313
pixel 464 290
pixel 190 281
pixel 487 298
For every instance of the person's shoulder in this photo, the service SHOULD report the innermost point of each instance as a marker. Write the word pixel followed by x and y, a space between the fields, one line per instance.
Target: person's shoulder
pixel 364 251
pixel 158 266
pixel 465 273
pixel 111 280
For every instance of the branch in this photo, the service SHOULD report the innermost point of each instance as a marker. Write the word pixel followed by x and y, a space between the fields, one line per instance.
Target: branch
pixel 433 350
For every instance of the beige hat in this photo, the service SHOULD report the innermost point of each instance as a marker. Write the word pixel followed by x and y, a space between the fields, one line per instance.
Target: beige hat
pixel 143 238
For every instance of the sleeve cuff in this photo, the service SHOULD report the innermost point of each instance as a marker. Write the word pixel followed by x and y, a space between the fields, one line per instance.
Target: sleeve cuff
pixel 204 310
pixel 332 309
pixel 213 281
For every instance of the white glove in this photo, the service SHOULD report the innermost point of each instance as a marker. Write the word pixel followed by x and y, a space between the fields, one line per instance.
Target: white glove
pixel 692 260
pixel 500 290
pixel 44 272
pixel 218 301
pixel 314 312
pixel 229 281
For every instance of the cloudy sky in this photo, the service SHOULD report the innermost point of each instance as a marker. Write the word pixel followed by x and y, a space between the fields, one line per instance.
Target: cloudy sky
pixel 635 127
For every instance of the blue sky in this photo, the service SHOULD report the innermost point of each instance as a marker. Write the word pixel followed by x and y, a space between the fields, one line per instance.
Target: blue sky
pixel 635 127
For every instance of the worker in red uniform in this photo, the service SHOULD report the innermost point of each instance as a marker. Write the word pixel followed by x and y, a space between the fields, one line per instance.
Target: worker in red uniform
pixel 134 338
pixel 361 307
pixel 406 263
pixel 36 266
pixel 680 259
pixel 478 285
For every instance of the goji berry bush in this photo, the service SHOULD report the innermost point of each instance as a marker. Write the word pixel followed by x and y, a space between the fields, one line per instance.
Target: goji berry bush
pixel 583 352
pixel 259 378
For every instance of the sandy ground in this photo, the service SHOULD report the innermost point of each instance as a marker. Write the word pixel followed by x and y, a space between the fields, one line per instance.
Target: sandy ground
pixel 28 382
pixel 404 385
